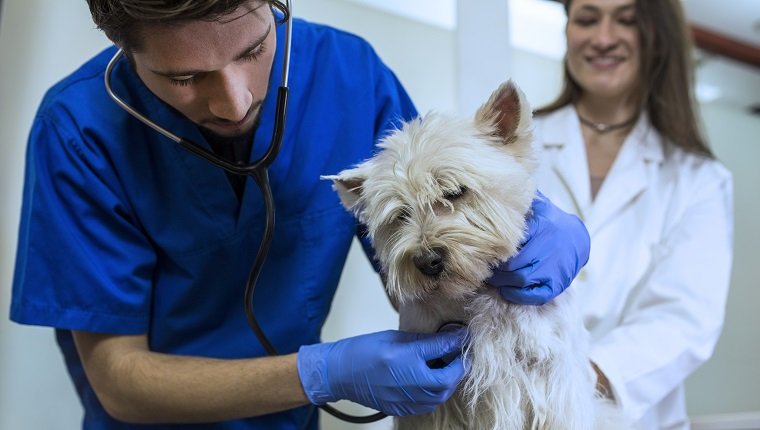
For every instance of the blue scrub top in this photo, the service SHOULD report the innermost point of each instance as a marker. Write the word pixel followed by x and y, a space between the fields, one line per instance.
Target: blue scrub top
pixel 123 232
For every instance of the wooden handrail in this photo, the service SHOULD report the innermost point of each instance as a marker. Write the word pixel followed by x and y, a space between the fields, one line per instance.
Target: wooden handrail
pixel 720 44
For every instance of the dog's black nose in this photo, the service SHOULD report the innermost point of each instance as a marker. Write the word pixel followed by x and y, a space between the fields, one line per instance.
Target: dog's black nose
pixel 430 261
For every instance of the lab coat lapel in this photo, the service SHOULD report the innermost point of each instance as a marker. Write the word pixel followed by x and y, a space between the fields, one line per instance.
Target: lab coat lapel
pixel 629 175
pixel 568 160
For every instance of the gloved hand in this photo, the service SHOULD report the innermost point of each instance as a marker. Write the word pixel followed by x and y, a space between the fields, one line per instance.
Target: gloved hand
pixel 556 247
pixel 386 371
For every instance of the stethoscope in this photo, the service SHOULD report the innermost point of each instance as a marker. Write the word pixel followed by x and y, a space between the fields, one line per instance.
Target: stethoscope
pixel 258 171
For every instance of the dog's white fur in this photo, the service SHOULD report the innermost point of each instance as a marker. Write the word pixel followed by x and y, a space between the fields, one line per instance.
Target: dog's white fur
pixel 459 190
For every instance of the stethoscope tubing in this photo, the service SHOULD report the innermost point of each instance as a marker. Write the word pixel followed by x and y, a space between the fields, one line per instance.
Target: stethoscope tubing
pixel 278 133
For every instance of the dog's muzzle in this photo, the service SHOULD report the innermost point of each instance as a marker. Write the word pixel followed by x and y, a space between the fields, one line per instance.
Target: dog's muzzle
pixel 430 261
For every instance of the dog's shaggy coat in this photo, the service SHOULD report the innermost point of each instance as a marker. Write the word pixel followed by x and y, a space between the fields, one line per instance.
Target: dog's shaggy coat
pixel 444 202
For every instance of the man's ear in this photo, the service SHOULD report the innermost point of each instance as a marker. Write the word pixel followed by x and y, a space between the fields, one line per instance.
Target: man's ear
pixel 504 110
pixel 348 184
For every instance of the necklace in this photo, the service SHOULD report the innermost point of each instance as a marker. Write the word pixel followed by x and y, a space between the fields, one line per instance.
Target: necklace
pixel 602 128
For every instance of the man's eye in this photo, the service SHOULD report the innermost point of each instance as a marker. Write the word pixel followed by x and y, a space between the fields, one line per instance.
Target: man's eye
pixel 256 53
pixel 183 81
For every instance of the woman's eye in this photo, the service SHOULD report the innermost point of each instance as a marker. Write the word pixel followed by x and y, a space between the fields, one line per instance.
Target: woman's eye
pixel 584 22
pixel 628 21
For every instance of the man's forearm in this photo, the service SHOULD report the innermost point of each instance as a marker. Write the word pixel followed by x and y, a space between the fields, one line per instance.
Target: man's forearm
pixel 141 386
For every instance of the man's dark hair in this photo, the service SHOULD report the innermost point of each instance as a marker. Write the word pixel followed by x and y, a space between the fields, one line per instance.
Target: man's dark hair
pixel 120 19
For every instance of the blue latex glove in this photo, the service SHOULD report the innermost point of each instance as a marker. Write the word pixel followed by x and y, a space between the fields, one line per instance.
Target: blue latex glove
pixel 556 247
pixel 387 371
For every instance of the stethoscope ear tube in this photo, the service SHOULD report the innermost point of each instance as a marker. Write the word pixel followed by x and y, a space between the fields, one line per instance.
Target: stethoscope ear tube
pixel 279 127
pixel 243 170
pixel 129 109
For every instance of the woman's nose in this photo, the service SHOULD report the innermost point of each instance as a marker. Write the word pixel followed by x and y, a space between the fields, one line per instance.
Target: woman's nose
pixel 229 97
pixel 604 35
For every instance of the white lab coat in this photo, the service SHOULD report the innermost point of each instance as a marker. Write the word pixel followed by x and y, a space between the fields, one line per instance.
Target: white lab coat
pixel 654 290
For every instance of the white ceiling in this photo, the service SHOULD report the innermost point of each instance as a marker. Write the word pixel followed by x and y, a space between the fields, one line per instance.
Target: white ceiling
pixel 441 13
pixel 739 19
pixel 537 26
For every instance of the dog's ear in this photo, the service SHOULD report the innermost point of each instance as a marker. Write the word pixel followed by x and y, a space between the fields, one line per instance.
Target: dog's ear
pixel 504 110
pixel 348 185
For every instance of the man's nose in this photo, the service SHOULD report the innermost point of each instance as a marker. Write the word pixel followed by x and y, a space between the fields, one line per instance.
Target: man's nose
pixel 229 97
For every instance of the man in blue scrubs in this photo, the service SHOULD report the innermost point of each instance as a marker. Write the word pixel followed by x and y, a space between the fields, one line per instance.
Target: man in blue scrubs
pixel 137 251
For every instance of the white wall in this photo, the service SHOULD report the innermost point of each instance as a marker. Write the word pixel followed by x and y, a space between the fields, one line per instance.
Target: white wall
pixel 421 55
pixel 40 41
pixel 730 382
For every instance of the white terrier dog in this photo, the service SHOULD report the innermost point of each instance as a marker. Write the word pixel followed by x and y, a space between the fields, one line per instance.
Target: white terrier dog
pixel 444 202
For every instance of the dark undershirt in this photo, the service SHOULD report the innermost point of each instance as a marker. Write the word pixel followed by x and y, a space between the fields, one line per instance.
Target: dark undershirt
pixel 235 149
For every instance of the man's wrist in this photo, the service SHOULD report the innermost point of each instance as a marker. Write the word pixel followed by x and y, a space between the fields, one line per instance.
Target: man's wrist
pixel 312 365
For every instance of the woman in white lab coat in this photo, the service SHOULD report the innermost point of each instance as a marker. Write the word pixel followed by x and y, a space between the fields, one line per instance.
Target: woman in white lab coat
pixel 621 149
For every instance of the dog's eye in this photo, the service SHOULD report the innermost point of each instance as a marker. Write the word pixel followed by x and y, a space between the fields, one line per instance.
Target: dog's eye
pixel 454 195
pixel 402 215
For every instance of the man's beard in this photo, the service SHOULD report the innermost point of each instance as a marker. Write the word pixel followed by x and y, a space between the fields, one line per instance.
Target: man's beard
pixel 236 149
pixel 239 139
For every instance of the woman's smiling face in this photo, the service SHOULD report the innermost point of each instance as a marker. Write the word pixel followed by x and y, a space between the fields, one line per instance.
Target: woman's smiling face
pixel 603 48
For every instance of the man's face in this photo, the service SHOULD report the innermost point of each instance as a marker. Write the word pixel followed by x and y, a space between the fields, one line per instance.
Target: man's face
pixel 215 73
